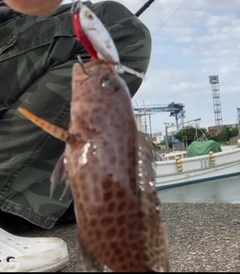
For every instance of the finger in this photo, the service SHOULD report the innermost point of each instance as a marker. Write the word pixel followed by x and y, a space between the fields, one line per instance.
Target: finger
pixel 33 7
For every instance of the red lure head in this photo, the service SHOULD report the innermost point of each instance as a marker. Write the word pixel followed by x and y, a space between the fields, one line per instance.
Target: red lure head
pixel 81 35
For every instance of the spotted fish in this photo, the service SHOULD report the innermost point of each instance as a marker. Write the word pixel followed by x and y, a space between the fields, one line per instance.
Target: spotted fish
pixel 108 164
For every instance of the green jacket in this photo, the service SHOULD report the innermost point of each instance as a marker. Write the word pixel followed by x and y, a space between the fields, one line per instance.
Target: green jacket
pixel 36 59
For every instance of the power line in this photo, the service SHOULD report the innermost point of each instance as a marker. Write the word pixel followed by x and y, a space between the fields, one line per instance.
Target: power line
pixel 170 17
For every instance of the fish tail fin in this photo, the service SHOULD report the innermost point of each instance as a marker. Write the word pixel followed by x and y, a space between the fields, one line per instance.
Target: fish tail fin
pixel 155 270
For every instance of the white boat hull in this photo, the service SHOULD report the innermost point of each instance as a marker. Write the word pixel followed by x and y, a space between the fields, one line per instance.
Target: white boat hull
pixel 197 169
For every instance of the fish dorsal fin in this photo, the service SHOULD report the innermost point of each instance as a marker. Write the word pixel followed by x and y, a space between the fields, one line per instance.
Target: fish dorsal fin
pixel 156 237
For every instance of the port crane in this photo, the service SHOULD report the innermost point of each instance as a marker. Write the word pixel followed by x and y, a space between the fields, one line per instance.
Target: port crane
pixel 176 110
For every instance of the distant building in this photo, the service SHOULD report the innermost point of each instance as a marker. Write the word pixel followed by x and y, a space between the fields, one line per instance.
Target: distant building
pixel 171 139
pixel 157 137
pixel 213 130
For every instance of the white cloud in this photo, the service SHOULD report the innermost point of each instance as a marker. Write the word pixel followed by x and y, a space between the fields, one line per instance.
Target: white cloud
pixel 202 38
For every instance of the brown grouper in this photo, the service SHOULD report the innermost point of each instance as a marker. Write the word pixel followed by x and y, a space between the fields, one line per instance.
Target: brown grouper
pixel 108 163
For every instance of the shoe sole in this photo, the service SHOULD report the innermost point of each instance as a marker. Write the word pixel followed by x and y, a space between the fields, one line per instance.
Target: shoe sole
pixel 53 268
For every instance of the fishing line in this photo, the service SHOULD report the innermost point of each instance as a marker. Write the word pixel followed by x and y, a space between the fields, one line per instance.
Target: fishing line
pixel 170 17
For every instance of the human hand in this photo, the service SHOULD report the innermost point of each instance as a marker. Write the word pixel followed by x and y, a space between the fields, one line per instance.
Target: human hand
pixel 33 7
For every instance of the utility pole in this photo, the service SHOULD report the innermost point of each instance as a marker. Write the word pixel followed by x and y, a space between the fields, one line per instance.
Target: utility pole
pixel 166 133
pixel 238 121
pixel 150 126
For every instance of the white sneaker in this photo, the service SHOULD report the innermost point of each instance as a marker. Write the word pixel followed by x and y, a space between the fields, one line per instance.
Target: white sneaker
pixel 22 254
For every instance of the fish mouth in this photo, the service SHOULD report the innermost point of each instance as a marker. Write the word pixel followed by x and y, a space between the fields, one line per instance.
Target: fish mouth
pixel 89 69
pixel 76 7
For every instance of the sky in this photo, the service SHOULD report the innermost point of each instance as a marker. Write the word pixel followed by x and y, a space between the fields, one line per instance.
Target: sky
pixel 191 40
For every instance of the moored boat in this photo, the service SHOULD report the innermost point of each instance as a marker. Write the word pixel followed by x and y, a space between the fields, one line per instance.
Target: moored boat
pixel 189 170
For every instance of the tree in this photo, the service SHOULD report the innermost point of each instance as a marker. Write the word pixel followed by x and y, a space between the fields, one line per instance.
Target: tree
pixel 189 134
pixel 234 131
pixel 224 135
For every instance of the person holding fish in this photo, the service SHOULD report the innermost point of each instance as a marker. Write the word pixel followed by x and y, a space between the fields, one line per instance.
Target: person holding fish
pixel 37 54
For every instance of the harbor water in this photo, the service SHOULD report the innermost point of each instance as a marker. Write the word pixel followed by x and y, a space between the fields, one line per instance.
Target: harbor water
pixel 216 191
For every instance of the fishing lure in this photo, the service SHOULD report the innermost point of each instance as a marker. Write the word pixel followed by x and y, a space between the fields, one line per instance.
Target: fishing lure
pixel 95 38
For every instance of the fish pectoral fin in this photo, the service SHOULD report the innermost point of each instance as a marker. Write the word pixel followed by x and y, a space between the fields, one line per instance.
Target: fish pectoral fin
pixel 88 259
pixel 58 176
pixel 53 130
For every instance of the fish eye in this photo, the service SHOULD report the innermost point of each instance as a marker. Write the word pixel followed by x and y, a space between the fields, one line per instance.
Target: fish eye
pixel 107 82
pixel 89 15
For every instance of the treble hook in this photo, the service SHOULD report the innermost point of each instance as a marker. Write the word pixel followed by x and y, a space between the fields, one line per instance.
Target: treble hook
pixel 76 6
pixel 82 65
